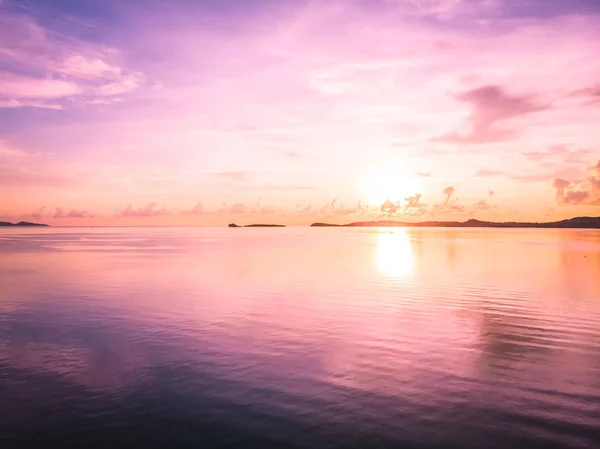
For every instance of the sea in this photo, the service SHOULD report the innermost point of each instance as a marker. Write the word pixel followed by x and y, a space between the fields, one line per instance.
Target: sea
pixel 299 337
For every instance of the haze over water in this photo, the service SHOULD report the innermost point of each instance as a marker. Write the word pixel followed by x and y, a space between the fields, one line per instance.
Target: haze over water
pixel 299 337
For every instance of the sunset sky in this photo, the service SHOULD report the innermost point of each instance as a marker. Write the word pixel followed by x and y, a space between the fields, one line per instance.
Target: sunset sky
pixel 204 112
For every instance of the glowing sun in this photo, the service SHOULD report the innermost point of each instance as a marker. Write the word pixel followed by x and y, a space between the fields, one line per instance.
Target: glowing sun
pixel 388 184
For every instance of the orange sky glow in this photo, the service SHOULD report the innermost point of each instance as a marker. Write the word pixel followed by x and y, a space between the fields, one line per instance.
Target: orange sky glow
pixel 204 113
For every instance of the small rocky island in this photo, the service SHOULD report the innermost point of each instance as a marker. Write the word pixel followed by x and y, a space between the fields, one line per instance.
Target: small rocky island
pixel 259 225
pixel 22 223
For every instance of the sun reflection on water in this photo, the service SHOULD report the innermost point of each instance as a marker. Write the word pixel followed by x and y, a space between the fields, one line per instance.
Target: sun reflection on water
pixel 394 253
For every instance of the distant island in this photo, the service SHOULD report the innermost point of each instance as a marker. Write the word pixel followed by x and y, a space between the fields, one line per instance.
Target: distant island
pixel 21 223
pixel 571 223
pixel 233 225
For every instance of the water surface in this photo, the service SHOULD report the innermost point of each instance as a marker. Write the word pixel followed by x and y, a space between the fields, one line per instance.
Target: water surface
pixel 299 338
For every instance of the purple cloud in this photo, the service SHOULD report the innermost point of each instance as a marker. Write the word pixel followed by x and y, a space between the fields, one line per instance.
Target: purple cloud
pixel 44 69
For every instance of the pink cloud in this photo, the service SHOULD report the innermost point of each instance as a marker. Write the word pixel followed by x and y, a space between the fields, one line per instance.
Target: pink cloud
pixel 559 154
pixel 198 209
pixel 489 173
pixel 491 105
pixel 304 210
pixel 414 206
pixel 233 175
pixel 238 208
pixel 584 192
pixel 450 204
pixel 560 185
pixel 283 188
pixel 483 205
pixel 578 197
pixel 523 177
pixel 448 191
pixel 79 66
pixel 151 210
pixel 389 207
pixel 590 94
pixel 73 213
pixel 450 208
pixel 37 215
pixel 411 206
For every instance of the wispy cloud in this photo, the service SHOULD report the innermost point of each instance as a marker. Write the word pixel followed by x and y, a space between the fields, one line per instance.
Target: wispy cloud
pixel 450 204
pixel 522 177
pixel 448 192
pixel 487 173
pixel 73 213
pixel 275 188
pixel 560 154
pixel 37 215
pixel 490 106
pixel 483 205
pixel 590 95
pixel 150 210
pixel 23 176
pixel 44 69
pixel 198 209
pixel 233 175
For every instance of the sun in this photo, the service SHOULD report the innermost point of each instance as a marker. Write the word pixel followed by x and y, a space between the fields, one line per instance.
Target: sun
pixel 389 184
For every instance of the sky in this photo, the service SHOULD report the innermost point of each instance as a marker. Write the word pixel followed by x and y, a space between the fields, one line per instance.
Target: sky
pixel 207 112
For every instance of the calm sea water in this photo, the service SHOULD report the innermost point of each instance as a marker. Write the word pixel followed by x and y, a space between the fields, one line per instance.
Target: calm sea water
pixel 299 338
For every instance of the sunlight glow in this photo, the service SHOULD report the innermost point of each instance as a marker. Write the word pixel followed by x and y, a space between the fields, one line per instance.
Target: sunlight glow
pixel 387 184
pixel 394 253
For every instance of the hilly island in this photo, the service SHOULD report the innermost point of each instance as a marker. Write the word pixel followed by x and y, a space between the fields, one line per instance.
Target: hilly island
pixel 21 223
pixel 571 223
